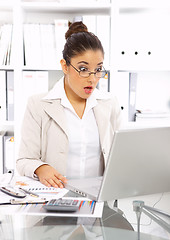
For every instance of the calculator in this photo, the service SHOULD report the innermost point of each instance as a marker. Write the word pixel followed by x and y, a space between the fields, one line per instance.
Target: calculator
pixel 62 205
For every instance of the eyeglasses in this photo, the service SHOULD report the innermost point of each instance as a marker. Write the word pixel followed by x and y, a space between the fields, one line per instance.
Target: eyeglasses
pixel 100 73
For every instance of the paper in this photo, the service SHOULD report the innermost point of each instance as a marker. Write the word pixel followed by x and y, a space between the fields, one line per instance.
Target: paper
pixel 4 198
pixel 8 199
pixel 31 185
pixel 88 208
pixel 37 187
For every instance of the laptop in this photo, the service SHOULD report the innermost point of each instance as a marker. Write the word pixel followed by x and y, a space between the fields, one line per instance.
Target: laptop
pixel 138 164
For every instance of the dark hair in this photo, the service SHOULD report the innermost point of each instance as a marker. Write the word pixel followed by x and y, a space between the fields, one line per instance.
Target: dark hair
pixel 78 40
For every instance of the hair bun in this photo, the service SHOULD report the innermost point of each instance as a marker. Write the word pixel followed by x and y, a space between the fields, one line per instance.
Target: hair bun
pixel 75 28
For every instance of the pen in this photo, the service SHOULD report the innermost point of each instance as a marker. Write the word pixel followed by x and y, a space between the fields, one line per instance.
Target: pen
pixel 39 201
pixel 29 192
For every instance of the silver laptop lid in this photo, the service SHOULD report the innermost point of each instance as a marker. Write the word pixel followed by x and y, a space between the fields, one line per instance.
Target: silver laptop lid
pixel 138 164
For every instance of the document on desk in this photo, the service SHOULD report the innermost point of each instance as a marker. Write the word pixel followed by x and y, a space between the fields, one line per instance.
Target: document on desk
pixel 6 199
pixel 37 187
pixel 88 208
pixel 31 185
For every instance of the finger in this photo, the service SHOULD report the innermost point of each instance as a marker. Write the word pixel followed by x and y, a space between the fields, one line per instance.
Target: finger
pixel 45 182
pixel 55 182
pixel 61 177
pixel 58 183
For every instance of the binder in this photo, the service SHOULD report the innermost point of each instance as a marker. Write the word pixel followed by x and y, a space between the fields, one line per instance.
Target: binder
pixel 32 45
pixel 5 43
pixel 34 82
pixel 103 33
pixel 90 22
pixel 41 81
pixel 104 83
pixel 61 27
pixel 119 86
pixel 48 45
pixel 10 95
pixel 132 96
pixel 9 163
pixel 2 96
pixel 2 134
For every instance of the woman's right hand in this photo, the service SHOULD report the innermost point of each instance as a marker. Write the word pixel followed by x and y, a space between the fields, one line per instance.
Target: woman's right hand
pixel 50 177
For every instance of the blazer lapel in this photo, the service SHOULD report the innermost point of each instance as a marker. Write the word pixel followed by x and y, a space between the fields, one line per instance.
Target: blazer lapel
pixel 102 118
pixel 56 111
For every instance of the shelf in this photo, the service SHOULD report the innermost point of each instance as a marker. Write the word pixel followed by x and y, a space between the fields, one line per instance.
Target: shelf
pixel 7 126
pixel 48 68
pixel 6 68
pixel 7 123
pixel 51 7
pixel 139 4
pixel 41 68
pixel 6 14
pixel 7 5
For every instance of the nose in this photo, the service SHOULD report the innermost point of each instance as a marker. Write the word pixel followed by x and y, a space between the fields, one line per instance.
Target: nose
pixel 92 77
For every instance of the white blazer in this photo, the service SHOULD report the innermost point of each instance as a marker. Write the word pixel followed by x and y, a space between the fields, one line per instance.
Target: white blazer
pixel 40 146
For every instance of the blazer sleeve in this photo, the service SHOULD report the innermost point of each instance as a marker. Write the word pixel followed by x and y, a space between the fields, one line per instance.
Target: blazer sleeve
pixel 29 155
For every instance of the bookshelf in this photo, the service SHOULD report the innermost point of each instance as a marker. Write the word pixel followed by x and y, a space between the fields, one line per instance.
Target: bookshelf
pixel 128 55
pixel 38 13
pixel 140 57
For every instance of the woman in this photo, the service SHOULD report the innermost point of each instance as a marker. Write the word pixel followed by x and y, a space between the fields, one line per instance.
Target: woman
pixel 69 130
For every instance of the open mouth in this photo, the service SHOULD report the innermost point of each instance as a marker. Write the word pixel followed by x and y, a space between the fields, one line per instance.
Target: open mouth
pixel 88 89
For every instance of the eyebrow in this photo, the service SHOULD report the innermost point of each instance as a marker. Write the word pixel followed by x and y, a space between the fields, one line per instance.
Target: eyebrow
pixel 88 63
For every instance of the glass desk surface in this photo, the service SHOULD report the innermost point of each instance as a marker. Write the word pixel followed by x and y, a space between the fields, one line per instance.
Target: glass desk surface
pixel 111 226
pixel 10 230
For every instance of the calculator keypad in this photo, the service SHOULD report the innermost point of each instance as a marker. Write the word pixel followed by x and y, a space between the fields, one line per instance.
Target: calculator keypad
pixel 66 205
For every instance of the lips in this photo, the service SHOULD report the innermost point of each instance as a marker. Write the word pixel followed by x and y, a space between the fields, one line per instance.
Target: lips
pixel 88 89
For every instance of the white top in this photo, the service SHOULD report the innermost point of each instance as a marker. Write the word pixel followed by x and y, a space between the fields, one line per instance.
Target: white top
pixel 84 145
pixel 84 154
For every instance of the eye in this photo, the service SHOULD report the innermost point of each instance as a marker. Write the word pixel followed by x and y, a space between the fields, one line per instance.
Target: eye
pixel 83 69
pixel 99 69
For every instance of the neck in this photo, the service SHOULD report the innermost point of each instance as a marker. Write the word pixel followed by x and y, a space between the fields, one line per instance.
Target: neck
pixel 77 102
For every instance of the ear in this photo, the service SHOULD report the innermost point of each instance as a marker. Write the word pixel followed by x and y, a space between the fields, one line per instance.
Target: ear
pixel 64 66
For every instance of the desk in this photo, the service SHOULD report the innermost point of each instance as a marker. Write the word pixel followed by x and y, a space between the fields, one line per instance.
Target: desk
pixel 110 218
pixel 20 224
pixel 9 230
pixel 111 226
pixel 25 227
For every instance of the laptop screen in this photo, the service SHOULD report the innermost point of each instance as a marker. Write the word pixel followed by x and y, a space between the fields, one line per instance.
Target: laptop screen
pixel 138 164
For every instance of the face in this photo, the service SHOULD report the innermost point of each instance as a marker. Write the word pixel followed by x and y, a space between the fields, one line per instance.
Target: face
pixel 77 87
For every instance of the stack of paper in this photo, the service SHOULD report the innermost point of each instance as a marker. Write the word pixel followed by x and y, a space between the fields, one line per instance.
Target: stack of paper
pixel 152 116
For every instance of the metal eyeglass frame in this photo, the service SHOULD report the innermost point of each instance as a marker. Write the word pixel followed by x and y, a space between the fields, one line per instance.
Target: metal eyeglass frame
pixel 79 71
